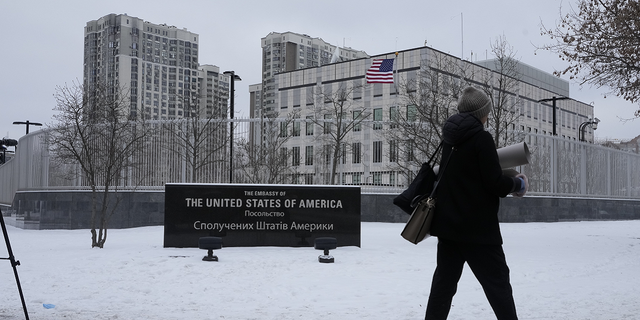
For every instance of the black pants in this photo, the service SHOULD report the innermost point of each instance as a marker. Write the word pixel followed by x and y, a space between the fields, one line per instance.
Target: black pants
pixel 488 264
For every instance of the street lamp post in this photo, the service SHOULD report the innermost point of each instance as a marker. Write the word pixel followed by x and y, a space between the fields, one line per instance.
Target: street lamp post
pixel 592 122
pixel 28 123
pixel 232 77
pixel 554 99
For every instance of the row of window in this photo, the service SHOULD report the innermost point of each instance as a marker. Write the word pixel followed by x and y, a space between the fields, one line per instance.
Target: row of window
pixel 347 178
pixel 327 126
pixel 172 42
pixel 356 154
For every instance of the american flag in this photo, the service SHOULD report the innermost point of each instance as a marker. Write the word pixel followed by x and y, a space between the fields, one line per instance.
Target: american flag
pixel 381 71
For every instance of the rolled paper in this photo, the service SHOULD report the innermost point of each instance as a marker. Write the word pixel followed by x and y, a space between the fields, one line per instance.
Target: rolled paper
pixel 514 155
pixel 510 156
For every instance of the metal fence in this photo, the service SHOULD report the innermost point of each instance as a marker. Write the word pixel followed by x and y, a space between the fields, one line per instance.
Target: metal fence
pixel 559 167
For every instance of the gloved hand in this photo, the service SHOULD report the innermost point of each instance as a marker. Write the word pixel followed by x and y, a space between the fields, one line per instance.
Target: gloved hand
pixel 524 189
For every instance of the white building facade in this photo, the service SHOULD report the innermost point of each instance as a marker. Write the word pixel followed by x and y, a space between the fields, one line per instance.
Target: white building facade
pixel 367 157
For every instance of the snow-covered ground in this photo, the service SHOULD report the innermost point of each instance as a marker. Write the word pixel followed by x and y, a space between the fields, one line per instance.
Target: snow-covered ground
pixel 568 270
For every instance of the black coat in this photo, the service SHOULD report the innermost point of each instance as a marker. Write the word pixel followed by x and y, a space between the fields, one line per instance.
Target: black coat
pixel 468 194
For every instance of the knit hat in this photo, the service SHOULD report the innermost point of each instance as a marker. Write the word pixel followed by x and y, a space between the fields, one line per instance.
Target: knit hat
pixel 474 102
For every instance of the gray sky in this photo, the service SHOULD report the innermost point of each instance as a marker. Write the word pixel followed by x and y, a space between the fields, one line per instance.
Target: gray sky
pixel 43 41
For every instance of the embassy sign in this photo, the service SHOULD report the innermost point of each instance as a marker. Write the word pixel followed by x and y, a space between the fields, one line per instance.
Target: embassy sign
pixel 261 215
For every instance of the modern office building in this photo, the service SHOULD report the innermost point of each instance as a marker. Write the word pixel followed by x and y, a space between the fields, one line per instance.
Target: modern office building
pixel 289 51
pixel 157 63
pixel 369 157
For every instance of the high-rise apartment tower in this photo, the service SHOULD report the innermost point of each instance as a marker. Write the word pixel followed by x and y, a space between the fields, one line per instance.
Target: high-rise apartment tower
pixel 288 51
pixel 156 63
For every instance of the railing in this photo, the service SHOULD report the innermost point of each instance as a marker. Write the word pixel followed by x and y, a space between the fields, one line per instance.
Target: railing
pixel 559 167
pixel 28 168
pixel 569 168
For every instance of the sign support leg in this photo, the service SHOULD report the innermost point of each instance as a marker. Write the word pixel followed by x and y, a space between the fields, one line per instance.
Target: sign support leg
pixel 14 264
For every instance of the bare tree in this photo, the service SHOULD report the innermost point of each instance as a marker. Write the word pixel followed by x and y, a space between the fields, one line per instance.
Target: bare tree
pixel 502 86
pixel 338 113
pixel 92 130
pixel 429 98
pixel 199 138
pixel 601 43
pixel 263 157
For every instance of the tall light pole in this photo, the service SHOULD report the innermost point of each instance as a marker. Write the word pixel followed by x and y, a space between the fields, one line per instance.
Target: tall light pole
pixel 232 78
pixel 28 123
pixel 554 110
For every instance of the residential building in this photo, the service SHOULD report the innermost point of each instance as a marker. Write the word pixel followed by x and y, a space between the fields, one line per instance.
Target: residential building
pixel 214 91
pixel 255 100
pixel 157 63
pixel 289 51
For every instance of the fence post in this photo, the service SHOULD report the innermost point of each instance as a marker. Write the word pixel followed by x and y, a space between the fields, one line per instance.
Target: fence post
pixel 583 169
pixel 629 159
pixel 554 164
pixel 608 179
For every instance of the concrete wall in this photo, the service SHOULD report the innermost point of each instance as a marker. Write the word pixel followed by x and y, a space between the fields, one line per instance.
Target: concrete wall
pixel 379 207
pixel 72 210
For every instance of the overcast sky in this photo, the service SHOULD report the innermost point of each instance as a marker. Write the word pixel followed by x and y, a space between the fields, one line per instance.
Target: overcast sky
pixel 43 41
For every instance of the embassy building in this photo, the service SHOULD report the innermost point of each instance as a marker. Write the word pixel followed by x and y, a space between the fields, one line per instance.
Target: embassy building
pixel 367 157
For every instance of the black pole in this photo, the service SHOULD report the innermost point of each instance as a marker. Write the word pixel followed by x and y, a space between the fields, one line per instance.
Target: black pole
pixel 554 117
pixel 28 123
pixel 14 264
pixel 233 77
pixel 231 130
pixel 553 100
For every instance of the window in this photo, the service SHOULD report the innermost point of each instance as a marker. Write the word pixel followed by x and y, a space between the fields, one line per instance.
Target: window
pixel 377 151
pixel 310 96
pixel 377 90
pixel 355 152
pixel 412 113
pixel 296 128
pixel 295 156
pixel 377 178
pixel 327 153
pixel 393 151
pixel 308 156
pixel 283 129
pixel 377 118
pixel 308 178
pixel 283 156
pixel 356 119
pixel 357 90
pixel 309 126
pixel 393 117
pixel 327 124
pixel 410 144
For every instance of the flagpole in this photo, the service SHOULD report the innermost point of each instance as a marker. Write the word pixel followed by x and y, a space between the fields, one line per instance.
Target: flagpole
pixel 395 72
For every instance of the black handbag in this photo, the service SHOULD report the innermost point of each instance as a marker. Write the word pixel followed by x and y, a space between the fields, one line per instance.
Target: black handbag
pixel 418 227
pixel 421 185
